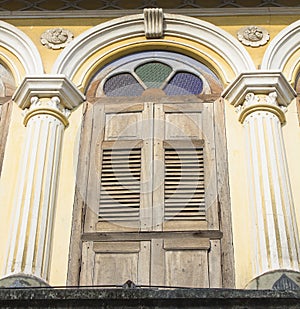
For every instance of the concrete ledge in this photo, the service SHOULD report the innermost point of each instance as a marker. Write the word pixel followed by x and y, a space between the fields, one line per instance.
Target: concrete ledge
pixel 146 298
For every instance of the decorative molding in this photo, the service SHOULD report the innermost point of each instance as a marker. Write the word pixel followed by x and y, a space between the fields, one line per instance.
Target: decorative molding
pixel 254 103
pixel 56 38
pixel 73 57
pixel 153 19
pixel 281 48
pixel 20 45
pixel 48 86
pixel 259 83
pixel 253 36
pixel 52 107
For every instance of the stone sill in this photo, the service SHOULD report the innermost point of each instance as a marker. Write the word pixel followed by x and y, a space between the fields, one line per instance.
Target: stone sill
pixel 146 298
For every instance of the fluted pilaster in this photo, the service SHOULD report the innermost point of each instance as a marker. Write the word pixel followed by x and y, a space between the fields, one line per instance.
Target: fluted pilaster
pixel 274 225
pixel 45 118
pixel 261 100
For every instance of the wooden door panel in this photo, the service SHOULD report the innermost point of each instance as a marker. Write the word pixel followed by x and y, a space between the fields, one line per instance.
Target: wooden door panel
pixel 113 263
pixel 186 268
pixel 181 262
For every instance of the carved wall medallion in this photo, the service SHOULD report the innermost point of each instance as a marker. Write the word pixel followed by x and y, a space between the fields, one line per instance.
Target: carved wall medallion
pixel 253 36
pixel 56 38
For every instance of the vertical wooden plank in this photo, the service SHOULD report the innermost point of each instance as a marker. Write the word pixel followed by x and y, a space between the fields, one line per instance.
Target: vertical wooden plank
pixel 214 264
pixel 157 263
pixel 147 168
pixel 95 153
pixel 211 200
pixel 87 265
pixel 143 277
pixel 158 170
pixel 227 256
pixel 74 262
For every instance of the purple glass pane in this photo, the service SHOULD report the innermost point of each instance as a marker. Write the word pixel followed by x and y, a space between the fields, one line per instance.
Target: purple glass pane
pixel 183 83
pixel 123 84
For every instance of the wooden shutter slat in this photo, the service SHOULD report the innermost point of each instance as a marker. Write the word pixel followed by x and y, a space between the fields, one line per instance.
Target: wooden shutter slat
pixel 184 187
pixel 120 183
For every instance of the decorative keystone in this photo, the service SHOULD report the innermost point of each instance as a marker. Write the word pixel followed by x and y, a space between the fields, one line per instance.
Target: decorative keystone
pixel 153 19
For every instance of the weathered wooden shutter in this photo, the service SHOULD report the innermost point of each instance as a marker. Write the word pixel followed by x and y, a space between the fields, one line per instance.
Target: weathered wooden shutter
pixel 120 182
pixel 153 171
pixel 184 185
pixel 181 184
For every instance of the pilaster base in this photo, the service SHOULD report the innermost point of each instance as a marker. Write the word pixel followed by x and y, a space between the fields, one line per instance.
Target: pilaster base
pixel 22 281
pixel 276 280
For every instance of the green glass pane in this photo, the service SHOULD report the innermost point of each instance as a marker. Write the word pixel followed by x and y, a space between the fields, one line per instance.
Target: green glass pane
pixel 153 74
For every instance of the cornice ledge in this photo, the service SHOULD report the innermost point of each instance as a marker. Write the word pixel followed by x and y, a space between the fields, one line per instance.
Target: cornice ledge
pixel 48 86
pixel 259 83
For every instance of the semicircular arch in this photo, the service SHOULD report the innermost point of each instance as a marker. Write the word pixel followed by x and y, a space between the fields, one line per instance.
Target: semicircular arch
pixel 283 52
pixel 110 40
pixel 18 52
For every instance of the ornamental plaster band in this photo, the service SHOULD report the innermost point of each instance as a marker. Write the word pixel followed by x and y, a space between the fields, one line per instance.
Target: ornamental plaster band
pixel 261 111
pixel 27 263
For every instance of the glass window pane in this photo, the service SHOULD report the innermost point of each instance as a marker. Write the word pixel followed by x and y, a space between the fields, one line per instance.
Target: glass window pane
pixel 153 74
pixel 184 83
pixel 123 84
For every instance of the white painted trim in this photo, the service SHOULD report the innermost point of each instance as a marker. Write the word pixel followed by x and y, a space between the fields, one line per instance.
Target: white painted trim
pixel 281 48
pixel 259 82
pixel 117 30
pixel 48 86
pixel 19 44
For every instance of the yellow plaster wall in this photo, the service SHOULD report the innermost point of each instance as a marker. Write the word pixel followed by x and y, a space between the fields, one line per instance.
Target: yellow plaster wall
pixel 239 193
pixel 65 198
pixel 291 137
pixel 9 178
pixel 235 141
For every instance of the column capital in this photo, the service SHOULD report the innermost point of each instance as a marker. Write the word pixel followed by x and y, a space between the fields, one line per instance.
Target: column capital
pixel 48 86
pixel 264 91
pixel 53 95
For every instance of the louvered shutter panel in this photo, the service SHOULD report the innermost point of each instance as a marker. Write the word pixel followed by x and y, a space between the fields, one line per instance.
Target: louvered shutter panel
pixel 184 190
pixel 120 184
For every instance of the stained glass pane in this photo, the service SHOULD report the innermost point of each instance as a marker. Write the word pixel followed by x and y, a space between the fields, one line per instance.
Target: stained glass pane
pixel 183 83
pixel 153 74
pixel 123 84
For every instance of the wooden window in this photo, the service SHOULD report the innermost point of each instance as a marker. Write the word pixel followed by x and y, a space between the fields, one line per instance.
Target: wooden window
pixel 148 180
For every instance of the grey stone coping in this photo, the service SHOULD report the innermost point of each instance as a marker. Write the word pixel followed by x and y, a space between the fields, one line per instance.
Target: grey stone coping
pixel 146 298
